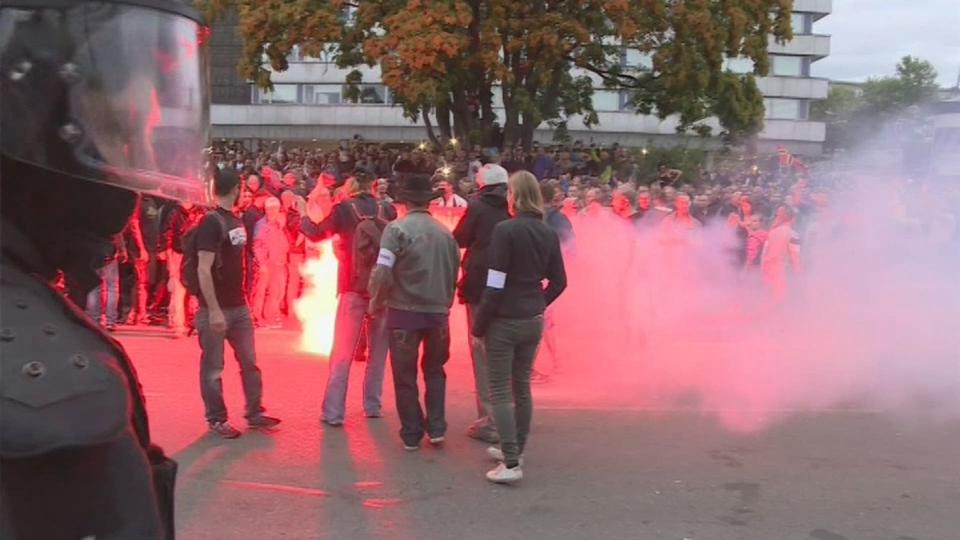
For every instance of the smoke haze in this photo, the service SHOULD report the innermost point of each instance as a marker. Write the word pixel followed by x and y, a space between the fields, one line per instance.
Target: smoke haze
pixel 871 322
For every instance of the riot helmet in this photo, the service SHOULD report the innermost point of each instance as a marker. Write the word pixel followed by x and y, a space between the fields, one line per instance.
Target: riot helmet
pixel 112 92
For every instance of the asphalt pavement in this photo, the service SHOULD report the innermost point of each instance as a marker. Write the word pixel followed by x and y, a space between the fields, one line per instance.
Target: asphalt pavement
pixel 591 472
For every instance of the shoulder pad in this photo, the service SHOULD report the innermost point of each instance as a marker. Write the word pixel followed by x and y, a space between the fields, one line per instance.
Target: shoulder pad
pixel 62 385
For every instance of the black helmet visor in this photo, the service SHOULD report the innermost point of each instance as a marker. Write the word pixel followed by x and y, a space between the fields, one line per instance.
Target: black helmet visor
pixel 106 92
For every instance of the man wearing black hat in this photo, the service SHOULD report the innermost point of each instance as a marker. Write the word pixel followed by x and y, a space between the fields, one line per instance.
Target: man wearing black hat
pixel 414 280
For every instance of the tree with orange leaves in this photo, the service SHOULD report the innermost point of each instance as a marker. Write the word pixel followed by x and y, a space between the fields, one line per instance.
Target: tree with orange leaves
pixel 443 60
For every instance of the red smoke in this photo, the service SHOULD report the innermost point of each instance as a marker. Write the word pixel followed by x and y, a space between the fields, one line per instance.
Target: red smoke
pixel 657 321
pixel 652 324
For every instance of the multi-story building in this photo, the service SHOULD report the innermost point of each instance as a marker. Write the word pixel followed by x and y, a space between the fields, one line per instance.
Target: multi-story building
pixel 308 101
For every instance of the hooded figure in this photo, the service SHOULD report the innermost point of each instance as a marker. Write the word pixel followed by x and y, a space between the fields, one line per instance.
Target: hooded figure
pixel 475 228
pixel 473 233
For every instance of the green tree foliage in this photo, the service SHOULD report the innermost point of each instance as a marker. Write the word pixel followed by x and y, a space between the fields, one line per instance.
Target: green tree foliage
pixel 851 116
pixel 915 83
pixel 444 59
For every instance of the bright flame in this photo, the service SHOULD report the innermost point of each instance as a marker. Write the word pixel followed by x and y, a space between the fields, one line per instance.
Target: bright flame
pixel 317 307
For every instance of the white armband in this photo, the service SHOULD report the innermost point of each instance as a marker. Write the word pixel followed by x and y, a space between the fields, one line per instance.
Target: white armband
pixel 386 258
pixel 496 279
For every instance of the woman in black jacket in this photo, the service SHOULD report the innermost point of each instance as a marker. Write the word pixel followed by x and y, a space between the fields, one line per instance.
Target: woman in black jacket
pixel 523 252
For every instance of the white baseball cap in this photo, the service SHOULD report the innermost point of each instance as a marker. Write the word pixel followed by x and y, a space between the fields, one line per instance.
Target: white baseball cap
pixel 491 174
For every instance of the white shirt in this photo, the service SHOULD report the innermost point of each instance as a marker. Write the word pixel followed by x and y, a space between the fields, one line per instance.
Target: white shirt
pixel 454 201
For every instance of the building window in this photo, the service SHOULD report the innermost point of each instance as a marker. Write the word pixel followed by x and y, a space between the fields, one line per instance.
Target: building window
pixel 802 23
pixel 635 59
pixel 606 100
pixel 785 109
pixel 294 55
pixel 790 66
pixel 281 93
pixel 739 65
pixel 321 94
pixel 368 94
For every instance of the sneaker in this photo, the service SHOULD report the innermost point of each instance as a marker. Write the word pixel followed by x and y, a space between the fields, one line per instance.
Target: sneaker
pixel 411 447
pixel 332 423
pixel 486 434
pixel 224 430
pixel 504 475
pixel 263 422
pixel 437 440
pixel 374 414
pixel 496 454
pixel 539 378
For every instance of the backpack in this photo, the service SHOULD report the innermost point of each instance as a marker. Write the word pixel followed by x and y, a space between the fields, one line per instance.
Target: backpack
pixel 191 255
pixel 366 246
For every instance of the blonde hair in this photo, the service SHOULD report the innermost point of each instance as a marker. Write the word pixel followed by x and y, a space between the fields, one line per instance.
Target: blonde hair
pixel 525 193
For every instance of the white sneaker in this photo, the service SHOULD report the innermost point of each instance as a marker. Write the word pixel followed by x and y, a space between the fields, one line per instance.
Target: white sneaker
pixel 437 441
pixel 503 475
pixel 496 454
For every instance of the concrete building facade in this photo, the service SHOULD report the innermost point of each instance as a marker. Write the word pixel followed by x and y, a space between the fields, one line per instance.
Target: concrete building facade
pixel 309 100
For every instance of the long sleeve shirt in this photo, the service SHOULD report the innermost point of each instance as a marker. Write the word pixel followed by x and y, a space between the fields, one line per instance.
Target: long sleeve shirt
pixel 524 252
pixel 342 221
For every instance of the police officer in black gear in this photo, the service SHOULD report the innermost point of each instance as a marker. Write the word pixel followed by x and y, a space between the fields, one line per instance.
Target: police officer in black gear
pixel 100 101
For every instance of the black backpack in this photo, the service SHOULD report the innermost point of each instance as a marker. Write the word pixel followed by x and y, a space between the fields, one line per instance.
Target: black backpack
pixel 366 246
pixel 191 255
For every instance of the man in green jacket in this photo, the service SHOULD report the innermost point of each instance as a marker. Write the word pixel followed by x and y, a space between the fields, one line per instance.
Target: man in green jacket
pixel 414 281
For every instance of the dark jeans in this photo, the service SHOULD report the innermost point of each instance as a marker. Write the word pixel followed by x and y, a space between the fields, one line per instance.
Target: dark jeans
pixel 511 348
pixel 240 335
pixel 404 350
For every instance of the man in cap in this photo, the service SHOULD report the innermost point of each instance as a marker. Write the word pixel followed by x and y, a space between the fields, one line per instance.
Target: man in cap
pixel 415 279
pixel 473 233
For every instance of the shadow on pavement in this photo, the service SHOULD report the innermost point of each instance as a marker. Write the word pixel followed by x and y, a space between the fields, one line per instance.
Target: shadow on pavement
pixel 204 465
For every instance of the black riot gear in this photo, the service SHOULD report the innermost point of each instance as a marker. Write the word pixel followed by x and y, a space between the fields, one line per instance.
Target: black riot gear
pixel 101 100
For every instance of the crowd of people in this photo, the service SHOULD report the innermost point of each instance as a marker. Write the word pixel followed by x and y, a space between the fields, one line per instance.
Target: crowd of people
pixel 394 288
pixel 141 279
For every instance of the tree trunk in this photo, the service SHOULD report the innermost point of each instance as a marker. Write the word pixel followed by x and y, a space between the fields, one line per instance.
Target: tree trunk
pixel 430 133
pixel 443 121
pixel 511 128
pixel 527 131
pixel 750 146
pixel 461 117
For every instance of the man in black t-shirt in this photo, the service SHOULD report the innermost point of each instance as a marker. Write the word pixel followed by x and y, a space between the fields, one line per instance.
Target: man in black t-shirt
pixel 223 314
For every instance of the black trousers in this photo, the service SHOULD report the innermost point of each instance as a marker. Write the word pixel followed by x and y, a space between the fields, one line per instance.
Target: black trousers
pixel 404 352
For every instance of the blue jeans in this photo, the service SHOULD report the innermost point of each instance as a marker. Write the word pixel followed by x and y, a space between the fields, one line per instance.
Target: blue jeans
pixel 109 280
pixel 240 335
pixel 350 313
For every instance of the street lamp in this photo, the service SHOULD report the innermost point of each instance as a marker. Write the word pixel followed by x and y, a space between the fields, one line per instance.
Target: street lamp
pixel 454 141
pixel 644 151
pixel 445 171
pixel 423 146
